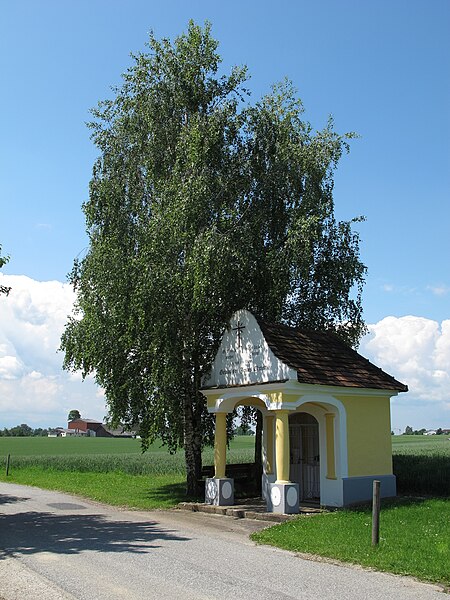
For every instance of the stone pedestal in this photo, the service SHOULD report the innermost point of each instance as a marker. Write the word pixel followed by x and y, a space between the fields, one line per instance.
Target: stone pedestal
pixel 283 498
pixel 219 492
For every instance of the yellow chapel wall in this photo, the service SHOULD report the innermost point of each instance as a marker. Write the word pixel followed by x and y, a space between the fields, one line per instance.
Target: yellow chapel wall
pixel 369 442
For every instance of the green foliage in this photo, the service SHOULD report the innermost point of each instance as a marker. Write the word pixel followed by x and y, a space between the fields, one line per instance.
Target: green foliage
pixel 422 464
pixel 429 475
pixel 73 414
pixel 22 430
pixel 3 261
pixel 414 537
pixel 243 430
pixel 201 204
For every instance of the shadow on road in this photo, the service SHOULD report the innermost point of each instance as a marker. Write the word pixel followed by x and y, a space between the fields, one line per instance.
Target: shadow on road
pixel 33 532
pixel 7 499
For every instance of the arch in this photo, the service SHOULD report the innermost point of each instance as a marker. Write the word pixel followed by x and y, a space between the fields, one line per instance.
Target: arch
pixel 305 454
pixel 228 402
pixel 328 411
pixel 318 406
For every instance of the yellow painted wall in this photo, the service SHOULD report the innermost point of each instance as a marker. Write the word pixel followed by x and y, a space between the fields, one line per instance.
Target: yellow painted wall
pixel 369 441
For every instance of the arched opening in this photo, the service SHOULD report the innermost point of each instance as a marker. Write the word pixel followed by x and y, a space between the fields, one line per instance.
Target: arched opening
pixel 305 455
pixel 250 484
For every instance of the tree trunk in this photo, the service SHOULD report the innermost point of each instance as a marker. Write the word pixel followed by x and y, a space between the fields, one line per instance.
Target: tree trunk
pixel 192 448
pixel 258 452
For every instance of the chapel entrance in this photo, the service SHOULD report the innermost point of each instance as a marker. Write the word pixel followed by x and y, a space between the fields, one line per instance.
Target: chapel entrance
pixel 305 455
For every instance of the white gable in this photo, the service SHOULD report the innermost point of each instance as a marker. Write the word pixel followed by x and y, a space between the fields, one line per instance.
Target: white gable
pixel 244 356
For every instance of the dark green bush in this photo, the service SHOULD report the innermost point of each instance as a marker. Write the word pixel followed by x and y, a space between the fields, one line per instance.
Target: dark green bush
pixel 422 474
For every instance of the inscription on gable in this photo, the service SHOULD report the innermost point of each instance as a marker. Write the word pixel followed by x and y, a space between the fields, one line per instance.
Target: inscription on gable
pixel 244 356
pixel 248 360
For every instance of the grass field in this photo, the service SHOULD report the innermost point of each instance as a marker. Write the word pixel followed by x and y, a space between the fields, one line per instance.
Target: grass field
pixel 42 446
pixel 108 470
pixel 105 455
pixel 421 444
pixel 23 446
pixel 45 446
pixel 414 538
pixel 421 463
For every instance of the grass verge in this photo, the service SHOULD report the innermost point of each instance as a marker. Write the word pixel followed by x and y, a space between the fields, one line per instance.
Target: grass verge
pixel 414 538
pixel 118 489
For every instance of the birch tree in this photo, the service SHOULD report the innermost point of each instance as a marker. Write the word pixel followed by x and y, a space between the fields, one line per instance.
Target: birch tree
pixel 200 204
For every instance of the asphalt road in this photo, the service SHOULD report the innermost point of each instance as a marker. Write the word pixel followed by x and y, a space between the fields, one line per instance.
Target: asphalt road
pixel 54 546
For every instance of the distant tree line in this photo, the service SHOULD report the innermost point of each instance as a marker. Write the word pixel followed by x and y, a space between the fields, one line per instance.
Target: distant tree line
pixel 410 431
pixel 23 430
pixel 243 429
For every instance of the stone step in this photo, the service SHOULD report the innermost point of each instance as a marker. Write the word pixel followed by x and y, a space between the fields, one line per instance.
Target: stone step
pixel 238 512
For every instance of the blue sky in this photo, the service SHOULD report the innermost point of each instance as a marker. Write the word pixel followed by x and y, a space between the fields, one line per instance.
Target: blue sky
pixel 381 68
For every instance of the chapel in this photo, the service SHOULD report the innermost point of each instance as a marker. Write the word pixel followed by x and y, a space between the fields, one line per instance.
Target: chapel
pixel 326 414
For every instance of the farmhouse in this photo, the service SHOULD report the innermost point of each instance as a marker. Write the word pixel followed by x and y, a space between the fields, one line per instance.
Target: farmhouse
pixel 88 427
pixel 326 414
pixel 93 428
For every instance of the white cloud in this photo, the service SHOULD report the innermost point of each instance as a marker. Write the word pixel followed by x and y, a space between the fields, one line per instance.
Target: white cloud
pixel 416 351
pixel 33 387
pixel 10 367
pixel 398 289
pixel 439 290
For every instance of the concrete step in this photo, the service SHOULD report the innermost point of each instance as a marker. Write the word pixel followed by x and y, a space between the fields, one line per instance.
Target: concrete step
pixel 245 511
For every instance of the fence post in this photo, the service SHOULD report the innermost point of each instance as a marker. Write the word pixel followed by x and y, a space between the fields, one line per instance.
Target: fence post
pixel 376 513
pixel 7 464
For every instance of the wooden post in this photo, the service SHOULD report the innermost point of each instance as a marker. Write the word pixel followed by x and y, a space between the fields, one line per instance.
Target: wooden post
pixel 7 464
pixel 376 513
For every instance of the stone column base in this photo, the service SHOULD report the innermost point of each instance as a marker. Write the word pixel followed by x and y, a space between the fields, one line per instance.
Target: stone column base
pixel 283 498
pixel 219 492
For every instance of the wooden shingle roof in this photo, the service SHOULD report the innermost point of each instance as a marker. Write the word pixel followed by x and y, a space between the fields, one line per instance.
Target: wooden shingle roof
pixel 322 358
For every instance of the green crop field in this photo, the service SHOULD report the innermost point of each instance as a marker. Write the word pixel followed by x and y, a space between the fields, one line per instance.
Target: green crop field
pixel 418 460
pixel 110 470
pixel 45 446
pixel 421 444
pixel 421 464
pixel 105 455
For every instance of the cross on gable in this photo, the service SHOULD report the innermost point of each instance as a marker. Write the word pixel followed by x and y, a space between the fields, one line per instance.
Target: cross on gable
pixel 239 327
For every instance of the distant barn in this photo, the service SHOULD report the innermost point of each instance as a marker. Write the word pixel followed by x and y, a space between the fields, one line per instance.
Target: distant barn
pixel 94 428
